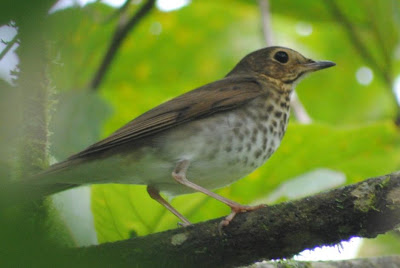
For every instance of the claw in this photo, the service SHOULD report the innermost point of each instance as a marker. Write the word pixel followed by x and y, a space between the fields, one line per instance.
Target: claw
pixel 235 210
pixel 184 224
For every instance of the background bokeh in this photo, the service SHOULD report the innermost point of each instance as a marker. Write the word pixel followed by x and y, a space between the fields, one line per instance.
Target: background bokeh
pixel 353 134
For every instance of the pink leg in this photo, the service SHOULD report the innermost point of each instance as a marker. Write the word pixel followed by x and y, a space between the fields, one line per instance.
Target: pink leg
pixel 155 194
pixel 179 175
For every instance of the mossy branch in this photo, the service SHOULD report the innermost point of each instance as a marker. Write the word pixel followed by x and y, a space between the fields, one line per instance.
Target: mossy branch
pixel 34 220
pixel 365 209
pixel 32 155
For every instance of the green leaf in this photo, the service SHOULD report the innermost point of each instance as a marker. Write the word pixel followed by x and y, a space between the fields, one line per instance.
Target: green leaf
pixel 306 184
pixel 385 244
pixel 122 211
pixel 10 122
pixel 76 122
pixel 77 47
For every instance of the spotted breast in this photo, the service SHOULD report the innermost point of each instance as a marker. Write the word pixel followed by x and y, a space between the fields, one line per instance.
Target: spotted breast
pixel 228 146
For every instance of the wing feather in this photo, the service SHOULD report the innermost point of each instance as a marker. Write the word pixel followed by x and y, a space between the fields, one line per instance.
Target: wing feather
pixel 222 95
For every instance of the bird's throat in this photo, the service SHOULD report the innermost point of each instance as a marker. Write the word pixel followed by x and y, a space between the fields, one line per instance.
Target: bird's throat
pixel 276 85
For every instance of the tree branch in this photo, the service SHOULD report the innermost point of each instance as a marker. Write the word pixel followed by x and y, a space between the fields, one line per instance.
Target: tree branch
pixel 299 110
pixel 365 209
pixel 120 34
pixel 353 36
pixel 360 48
pixel 266 22
pixel 34 87
pixel 9 45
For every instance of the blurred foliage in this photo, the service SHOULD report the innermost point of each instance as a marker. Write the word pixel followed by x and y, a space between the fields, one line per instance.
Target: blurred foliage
pixel 384 245
pixel 173 52
pixel 9 118
pixel 78 113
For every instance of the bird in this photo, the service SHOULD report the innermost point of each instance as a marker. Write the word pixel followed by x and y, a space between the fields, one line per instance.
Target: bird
pixel 202 140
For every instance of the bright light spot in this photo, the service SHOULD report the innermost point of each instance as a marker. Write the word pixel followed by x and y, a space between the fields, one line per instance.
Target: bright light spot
pixel 10 60
pixel 396 89
pixel 75 212
pixel 63 4
pixel 163 5
pixel 170 5
pixel 155 28
pixel 364 76
pixel 114 3
pixel 342 251
pixel 304 28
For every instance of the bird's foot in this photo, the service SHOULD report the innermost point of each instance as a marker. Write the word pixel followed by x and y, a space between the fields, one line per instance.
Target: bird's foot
pixel 184 224
pixel 235 209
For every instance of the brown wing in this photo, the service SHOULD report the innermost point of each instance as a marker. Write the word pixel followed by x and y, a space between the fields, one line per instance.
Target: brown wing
pixel 215 97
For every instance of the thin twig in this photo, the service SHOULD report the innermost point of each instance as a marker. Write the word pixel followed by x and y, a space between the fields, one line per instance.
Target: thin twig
pixel 266 22
pixel 119 11
pixel 372 22
pixel 363 51
pixel 352 34
pixel 9 45
pixel 298 108
pixel 120 34
pixel 299 111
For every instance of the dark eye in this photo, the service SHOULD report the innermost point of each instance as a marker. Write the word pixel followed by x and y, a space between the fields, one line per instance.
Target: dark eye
pixel 281 56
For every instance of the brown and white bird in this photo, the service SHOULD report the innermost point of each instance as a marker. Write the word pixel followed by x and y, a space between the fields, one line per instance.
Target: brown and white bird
pixel 205 139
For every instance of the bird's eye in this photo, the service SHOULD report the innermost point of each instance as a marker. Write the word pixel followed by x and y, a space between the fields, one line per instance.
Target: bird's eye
pixel 281 56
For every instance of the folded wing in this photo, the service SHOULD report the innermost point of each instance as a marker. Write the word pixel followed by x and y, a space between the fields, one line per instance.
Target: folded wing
pixel 212 98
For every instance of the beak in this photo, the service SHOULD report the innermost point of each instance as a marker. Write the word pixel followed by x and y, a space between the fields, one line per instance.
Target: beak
pixel 313 66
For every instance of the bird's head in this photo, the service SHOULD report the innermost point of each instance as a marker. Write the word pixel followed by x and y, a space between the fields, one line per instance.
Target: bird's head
pixel 280 65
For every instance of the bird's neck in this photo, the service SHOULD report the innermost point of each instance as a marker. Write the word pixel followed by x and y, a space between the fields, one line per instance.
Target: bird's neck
pixel 276 84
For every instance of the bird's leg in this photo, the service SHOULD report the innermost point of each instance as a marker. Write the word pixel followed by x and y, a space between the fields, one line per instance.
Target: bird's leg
pixel 179 174
pixel 155 194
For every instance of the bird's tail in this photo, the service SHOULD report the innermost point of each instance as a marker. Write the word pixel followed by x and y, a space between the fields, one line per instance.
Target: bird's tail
pixel 40 185
pixel 24 191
